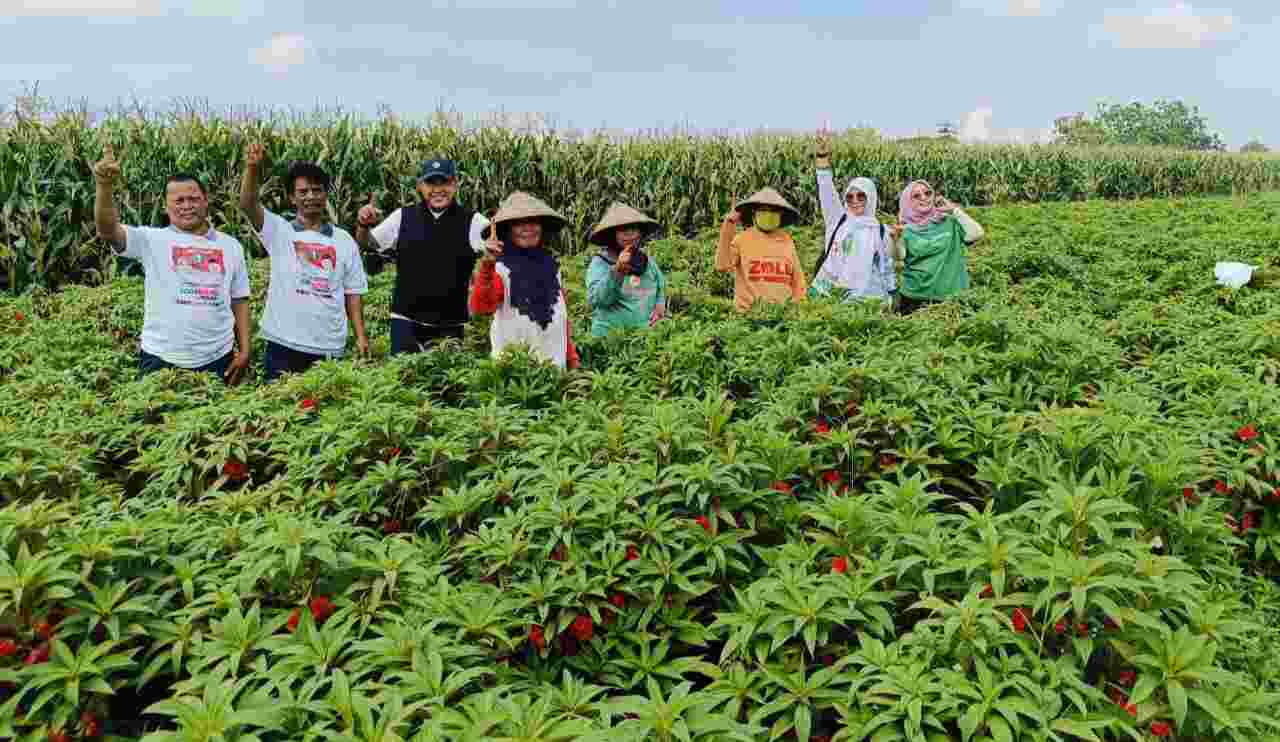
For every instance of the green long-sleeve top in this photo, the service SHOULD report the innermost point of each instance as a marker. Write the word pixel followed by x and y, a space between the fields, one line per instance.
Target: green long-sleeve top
pixel 623 301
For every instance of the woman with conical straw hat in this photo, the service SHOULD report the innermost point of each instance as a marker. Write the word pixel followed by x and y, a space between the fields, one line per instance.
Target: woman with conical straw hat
pixel 763 257
pixel 518 282
pixel 625 287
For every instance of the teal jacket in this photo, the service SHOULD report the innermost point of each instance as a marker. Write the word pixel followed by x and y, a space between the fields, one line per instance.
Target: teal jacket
pixel 622 302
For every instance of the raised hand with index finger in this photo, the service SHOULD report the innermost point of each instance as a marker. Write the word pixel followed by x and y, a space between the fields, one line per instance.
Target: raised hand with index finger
pixel 822 147
pixel 493 246
pixel 369 214
pixel 254 154
pixel 107 170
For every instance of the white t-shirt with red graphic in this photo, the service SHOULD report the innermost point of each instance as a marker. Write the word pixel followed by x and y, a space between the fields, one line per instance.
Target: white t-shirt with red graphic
pixel 190 283
pixel 311 275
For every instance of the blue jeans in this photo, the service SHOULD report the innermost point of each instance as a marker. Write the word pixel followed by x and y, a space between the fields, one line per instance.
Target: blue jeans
pixel 277 359
pixel 148 363
pixel 411 337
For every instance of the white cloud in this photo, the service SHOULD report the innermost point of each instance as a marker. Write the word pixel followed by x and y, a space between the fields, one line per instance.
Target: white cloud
pixel 1178 26
pixel 1019 8
pixel 79 7
pixel 976 127
pixel 281 52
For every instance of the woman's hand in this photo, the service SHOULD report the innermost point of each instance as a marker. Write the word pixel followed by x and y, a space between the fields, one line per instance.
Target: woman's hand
pixel 822 148
pixel 492 247
pixel 623 266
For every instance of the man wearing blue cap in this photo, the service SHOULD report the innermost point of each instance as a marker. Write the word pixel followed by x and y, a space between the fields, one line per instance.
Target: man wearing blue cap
pixel 435 244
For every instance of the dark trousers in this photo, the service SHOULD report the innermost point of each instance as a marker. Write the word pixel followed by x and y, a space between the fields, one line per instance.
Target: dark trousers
pixel 908 305
pixel 148 363
pixel 277 359
pixel 411 337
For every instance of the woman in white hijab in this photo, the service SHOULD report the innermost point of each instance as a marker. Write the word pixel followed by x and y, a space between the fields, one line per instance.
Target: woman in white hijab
pixel 857 256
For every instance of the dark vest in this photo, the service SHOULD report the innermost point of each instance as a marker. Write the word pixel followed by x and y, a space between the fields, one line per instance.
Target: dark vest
pixel 434 260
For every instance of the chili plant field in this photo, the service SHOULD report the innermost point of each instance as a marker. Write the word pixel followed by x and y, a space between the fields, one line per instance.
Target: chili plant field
pixel 1046 510
pixel 686 182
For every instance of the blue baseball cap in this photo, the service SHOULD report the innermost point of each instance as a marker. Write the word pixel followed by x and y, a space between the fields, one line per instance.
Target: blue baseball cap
pixel 438 168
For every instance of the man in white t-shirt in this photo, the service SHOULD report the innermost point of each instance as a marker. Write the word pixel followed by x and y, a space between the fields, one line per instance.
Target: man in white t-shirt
pixel 317 276
pixel 197 279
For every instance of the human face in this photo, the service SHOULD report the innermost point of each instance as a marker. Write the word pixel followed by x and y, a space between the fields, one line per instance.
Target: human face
pixel 309 199
pixel 856 203
pixel 628 237
pixel 187 207
pixel 767 218
pixel 921 195
pixel 527 234
pixel 438 192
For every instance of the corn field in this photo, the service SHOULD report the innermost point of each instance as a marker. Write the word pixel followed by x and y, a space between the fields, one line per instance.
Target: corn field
pixel 687 182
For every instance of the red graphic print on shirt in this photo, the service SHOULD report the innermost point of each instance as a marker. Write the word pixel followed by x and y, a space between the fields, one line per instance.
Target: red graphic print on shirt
pixel 200 271
pixel 770 270
pixel 317 264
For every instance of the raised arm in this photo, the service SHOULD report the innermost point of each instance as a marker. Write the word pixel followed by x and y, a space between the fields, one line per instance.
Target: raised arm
pixel 368 216
pixel 826 188
pixel 973 231
pixel 105 175
pixel 250 204
pixel 604 285
pixel 487 291
pixel 726 258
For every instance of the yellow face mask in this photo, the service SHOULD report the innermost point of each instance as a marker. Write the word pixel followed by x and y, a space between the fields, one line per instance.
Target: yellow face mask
pixel 767 221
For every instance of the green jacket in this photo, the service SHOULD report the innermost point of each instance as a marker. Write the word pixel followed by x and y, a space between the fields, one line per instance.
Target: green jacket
pixel 935 267
pixel 618 302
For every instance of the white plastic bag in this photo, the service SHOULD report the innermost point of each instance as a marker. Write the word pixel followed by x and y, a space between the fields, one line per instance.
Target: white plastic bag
pixel 1233 275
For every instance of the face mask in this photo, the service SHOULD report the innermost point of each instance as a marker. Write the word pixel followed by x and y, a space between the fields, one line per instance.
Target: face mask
pixel 767 221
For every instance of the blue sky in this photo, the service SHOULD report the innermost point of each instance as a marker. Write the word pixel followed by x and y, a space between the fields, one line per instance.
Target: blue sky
pixel 1001 69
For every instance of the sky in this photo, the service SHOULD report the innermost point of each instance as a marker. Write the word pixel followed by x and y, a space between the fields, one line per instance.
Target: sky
pixel 1000 70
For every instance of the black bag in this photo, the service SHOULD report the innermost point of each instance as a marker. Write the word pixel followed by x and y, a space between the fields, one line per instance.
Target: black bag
pixel 832 241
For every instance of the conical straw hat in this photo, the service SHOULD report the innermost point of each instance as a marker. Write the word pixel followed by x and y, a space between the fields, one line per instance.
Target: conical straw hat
pixel 768 197
pixel 520 206
pixel 620 215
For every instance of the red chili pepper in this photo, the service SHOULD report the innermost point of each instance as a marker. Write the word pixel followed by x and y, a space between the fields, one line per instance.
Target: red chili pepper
pixel 582 628
pixel 321 608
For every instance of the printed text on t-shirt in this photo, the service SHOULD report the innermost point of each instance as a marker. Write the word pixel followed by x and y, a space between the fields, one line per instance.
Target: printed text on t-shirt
pixel 770 270
pixel 201 271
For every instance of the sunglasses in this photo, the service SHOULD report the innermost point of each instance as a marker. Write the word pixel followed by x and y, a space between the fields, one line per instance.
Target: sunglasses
pixel 856 196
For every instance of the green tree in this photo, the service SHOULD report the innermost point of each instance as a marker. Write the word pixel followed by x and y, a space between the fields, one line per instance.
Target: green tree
pixel 1165 123
pixel 1255 147
pixel 1078 129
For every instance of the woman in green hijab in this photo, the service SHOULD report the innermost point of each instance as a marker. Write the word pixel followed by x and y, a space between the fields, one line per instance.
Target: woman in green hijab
pixel 935 237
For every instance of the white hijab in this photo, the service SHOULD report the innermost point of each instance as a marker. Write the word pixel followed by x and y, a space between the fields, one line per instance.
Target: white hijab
pixel 857 242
